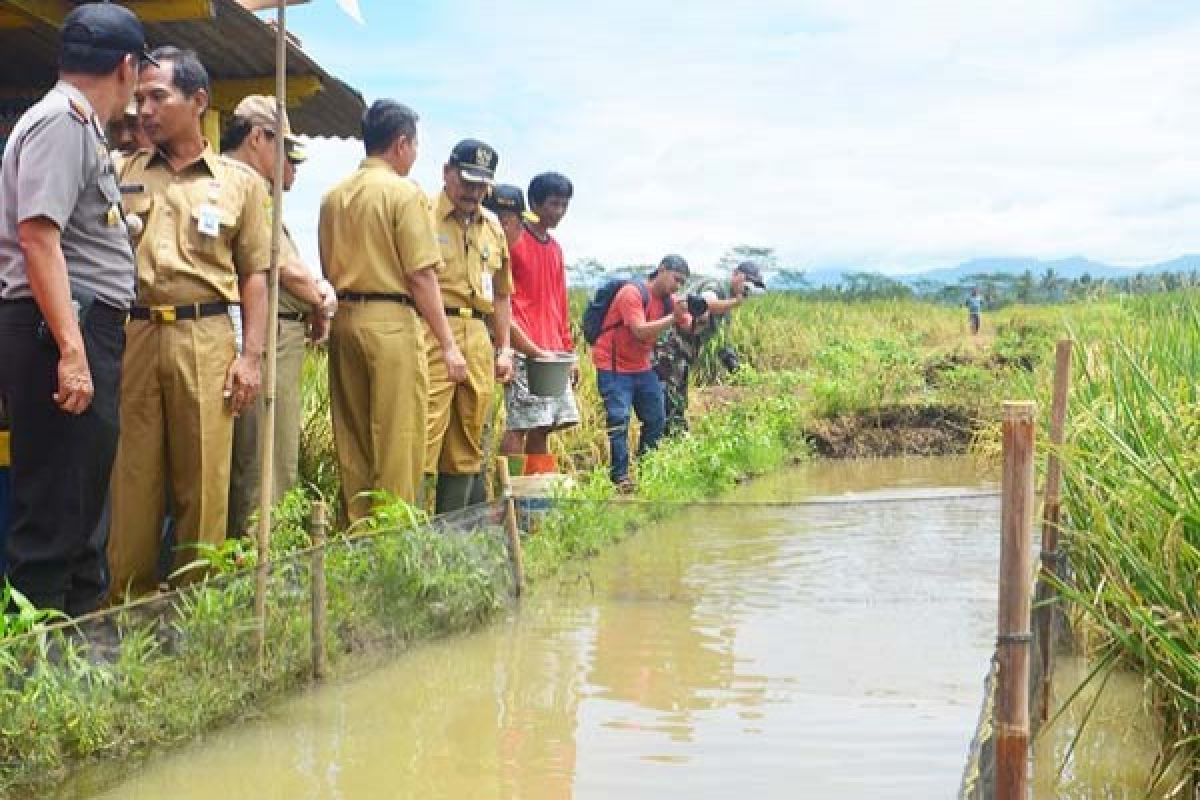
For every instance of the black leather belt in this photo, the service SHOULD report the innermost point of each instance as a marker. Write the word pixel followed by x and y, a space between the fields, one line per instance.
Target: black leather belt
pixel 465 313
pixel 169 314
pixel 368 297
pixel 292 316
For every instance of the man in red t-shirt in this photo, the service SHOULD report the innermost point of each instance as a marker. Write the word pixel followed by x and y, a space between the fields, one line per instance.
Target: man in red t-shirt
pixel 541 320
pixel 622 358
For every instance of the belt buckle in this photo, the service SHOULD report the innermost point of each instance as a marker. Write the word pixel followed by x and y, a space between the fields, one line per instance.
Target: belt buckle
pixel 162 314
pixel 466 313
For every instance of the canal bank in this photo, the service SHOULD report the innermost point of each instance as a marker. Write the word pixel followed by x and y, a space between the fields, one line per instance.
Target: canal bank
pixel 825 628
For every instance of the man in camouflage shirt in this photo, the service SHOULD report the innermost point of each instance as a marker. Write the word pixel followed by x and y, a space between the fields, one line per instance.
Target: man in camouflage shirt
pixel 677 351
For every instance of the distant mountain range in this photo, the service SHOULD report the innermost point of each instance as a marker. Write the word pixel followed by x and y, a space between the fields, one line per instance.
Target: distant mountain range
pixel 1067 268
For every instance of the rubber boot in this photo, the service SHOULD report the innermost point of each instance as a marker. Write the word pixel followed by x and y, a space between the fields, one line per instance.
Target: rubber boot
pixel 453 492
pixel 540 463
pixel 478 492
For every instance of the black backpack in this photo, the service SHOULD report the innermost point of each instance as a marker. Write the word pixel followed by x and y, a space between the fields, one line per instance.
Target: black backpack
pixel 597 307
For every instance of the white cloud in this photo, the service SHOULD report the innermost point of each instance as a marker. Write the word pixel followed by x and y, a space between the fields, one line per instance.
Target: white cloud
pixel 893 136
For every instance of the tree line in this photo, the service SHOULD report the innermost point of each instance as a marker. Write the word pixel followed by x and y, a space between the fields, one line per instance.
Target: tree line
pixel 997 288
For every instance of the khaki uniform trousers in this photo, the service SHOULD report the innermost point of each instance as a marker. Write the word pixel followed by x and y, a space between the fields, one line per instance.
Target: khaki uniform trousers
pixel 246 476
pixel 176 436
pixel 378 387
pixel 458 411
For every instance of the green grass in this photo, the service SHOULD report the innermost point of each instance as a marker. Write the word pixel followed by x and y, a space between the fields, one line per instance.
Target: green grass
pixel 1132 504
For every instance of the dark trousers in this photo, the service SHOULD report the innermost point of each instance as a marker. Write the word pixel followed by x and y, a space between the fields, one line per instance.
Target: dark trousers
pixel 675 400
pixel 623 392
pixel 60 462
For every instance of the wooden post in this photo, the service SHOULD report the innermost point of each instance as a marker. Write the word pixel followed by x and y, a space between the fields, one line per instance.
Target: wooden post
pixel 1016 578
pixel 510 527
pixel 1051 508
pixel 266 423
pixel 317 579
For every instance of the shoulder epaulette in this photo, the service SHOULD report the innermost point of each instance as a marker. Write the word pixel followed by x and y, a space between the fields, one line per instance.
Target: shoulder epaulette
pixel 78 112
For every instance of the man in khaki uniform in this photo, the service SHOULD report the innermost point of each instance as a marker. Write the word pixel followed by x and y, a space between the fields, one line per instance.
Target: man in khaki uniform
pixel 476 285
pixel 204 244
pixel 378 250
pixel 306 305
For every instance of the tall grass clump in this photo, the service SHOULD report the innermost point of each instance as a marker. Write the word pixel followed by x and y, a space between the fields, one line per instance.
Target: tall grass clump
pixel 1132 503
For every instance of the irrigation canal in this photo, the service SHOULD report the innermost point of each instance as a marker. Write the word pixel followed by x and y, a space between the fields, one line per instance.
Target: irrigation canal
pixel 768 651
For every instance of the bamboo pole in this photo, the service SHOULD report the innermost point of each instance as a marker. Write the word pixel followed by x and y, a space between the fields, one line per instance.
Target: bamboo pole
pixel 1012 641
pixel 1051 512
pixel 317 580
pixel 510 526
pixel 266 429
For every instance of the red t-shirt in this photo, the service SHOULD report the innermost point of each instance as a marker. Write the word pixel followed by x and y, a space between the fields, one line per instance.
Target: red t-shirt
pixel 633 355
pixel 539 302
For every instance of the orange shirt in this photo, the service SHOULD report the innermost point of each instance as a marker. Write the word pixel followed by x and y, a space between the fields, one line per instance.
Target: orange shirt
pixel 632 354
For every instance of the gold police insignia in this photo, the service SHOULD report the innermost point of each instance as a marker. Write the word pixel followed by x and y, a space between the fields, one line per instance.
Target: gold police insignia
pixel 483 156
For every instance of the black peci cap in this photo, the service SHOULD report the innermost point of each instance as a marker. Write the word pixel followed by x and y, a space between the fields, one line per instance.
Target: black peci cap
pixel 752 273
pixel 505 197
pixel 475 160
pixel 105 28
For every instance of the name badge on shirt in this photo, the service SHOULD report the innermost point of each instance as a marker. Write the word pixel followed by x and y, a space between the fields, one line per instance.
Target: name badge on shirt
pixel 486 285
pixel 208 220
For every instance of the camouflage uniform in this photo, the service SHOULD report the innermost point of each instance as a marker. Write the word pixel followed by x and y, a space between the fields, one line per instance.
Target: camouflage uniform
pixel 674 354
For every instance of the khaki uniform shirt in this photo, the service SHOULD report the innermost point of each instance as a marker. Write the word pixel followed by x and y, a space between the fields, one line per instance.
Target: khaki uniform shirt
pixel 288 254
pixel 56 166
pixel 375 230
pixel 477 266
pixel 202 227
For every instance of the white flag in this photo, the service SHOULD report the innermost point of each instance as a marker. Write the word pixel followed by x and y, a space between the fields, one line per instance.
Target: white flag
pixel 351 8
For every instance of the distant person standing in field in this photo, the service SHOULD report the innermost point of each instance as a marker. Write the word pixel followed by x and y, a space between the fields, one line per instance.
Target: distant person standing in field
pixel 974 310
pixel 675 353
pixel 541 323
pixel 637 314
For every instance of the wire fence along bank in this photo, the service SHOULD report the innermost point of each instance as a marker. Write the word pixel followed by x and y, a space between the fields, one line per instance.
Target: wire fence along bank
pixel 162 669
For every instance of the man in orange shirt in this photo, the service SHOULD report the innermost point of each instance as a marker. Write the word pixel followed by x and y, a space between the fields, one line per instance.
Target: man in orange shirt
pixel 639 314
pixel 541 324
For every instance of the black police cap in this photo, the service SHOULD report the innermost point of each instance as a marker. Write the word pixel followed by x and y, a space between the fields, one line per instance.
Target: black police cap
pixel 505 197
pixel 475 160
pixel 105 27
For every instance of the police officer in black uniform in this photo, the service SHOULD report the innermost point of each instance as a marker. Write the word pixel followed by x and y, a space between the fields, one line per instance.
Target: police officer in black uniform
pixel 66 283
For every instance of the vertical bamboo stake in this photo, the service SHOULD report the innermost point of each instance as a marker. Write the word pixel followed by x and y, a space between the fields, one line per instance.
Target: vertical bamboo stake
pixel 510 527
pixel 1012 642
pixel 1051 508
pixel 317 579
pixel 266 429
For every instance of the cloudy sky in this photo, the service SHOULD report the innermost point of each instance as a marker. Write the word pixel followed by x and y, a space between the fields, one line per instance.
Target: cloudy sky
pixel 895 135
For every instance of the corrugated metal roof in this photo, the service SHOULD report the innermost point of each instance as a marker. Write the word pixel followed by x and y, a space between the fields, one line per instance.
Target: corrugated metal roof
pixel 235 44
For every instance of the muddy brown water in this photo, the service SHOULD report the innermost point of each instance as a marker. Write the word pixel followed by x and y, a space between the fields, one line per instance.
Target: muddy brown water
pixel 831 649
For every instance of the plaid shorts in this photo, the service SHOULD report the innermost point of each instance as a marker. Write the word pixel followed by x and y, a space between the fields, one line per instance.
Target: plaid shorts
pixel 526 411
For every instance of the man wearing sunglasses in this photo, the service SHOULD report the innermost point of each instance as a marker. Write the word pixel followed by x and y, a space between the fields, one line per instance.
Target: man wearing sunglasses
pixel 307 303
